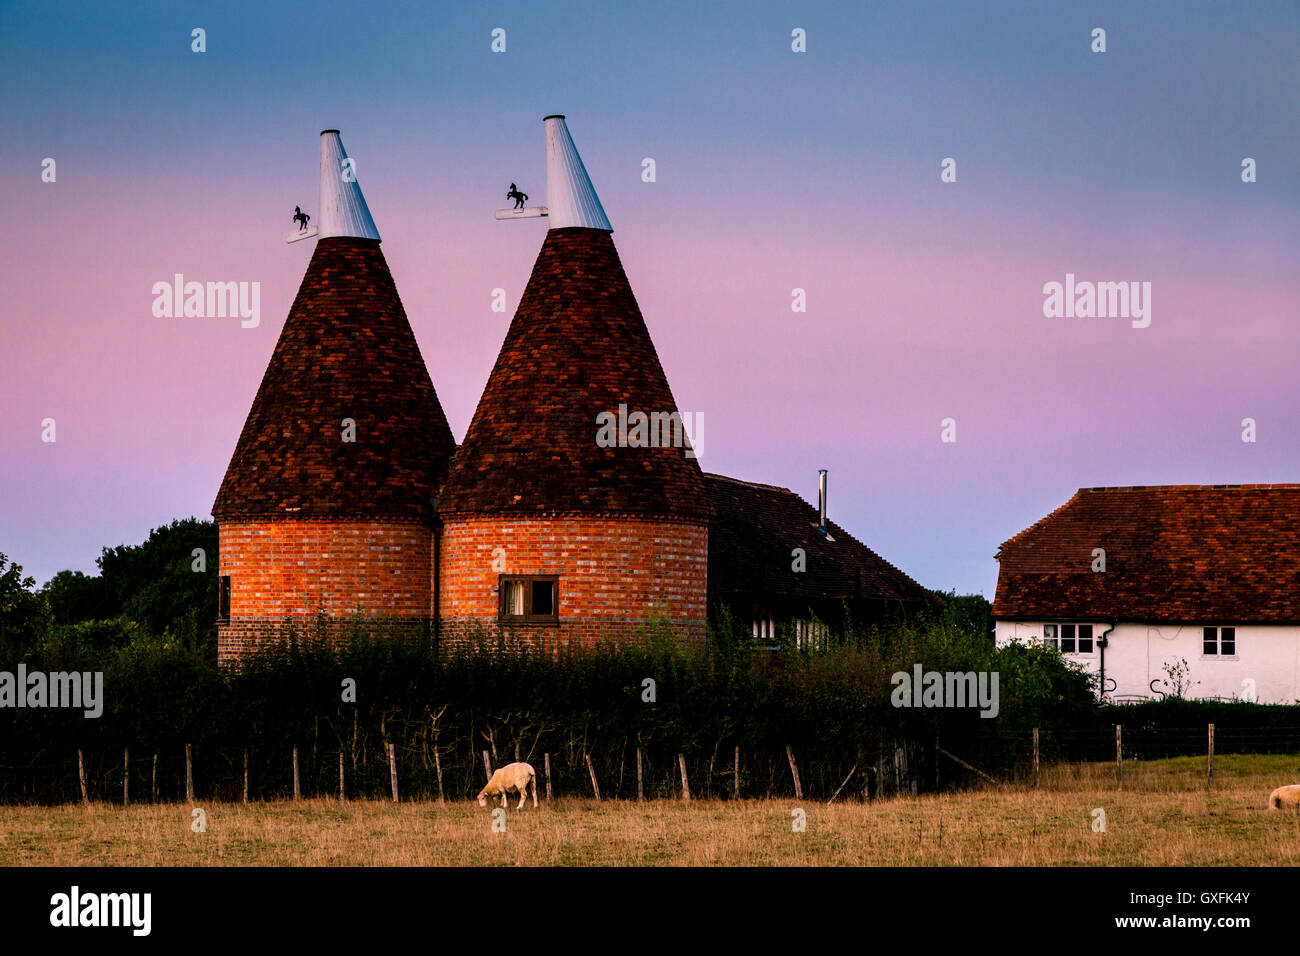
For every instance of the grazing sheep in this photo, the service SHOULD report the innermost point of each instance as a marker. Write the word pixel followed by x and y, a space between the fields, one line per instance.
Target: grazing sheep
pixel 1285 797
pixel 515 776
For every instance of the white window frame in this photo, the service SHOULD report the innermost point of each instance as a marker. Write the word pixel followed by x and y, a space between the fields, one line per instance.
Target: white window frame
pixel 1054 634
pixel 1218 654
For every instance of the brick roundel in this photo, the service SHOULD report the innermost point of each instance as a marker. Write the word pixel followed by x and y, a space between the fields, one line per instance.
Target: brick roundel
pixel 293 569
pixel 615 574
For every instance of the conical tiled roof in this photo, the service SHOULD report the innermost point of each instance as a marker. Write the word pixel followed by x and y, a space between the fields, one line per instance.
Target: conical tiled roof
pixel 346 352
pixel 577 347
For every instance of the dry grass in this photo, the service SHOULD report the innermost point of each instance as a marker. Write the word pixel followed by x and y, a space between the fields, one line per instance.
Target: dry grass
pixel 1163 817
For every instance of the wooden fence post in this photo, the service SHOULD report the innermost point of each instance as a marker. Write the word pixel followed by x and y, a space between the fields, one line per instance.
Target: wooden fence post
pixel 735 776
pixel 1119 757
pixel 153 779
pixel 882 777
pixel 189 773
pixel 392 769
pixel 686 787
pixel 972 768
pixel 846 783
pixel 437 765
pixel 245 774
pixel 548 775
pixel 126 776
pixel 343 793
pixel 1036 778
pixel 794 772
pixel 297 792
pixel 595 787
pixel 1210 779
pixel 640 788
pixel 487 765
pixel 81 776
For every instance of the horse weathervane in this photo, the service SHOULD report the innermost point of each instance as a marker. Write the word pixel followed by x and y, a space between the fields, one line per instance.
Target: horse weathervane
pixel 301 218
pixel 519 211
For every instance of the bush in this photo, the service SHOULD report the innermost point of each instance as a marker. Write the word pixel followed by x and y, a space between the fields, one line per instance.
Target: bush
pixel 658 693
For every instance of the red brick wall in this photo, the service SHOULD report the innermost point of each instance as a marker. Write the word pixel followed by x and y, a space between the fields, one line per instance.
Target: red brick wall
pixel 615 574
pixel 294 569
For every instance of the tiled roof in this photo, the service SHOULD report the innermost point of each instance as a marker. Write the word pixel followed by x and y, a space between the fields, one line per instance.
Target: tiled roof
pixel 346 351
pixel 577 347
pixel 757 526
pixel 1174 553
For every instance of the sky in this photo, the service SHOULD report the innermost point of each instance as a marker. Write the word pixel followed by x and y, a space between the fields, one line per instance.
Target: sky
pixel 775 170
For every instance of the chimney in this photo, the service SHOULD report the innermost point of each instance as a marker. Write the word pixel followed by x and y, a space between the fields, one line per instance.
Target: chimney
pixel 570 198
pixel 821 500
pixel 343 210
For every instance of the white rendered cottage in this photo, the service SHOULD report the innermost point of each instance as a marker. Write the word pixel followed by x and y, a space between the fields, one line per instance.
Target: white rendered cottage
pixel 1191 589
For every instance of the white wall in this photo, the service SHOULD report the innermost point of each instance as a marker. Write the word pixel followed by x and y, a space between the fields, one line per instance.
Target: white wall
pixel 1136 655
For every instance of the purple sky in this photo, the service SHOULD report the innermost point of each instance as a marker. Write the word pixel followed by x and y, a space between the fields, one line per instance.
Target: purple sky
pixel 776 170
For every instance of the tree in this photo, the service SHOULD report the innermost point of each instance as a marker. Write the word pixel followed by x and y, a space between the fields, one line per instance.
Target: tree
pixel 160 584
pixel 970 613
pixel 76 597
pixel 24 613
pixel 156 584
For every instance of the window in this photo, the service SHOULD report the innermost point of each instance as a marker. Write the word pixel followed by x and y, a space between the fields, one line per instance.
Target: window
pixel 223 599
pixel 1069 638
pixel 1219 641
pixel 1084 643
pixel 811 635
pixel 529 599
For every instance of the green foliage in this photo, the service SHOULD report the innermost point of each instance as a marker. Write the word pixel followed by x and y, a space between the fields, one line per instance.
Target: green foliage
pixel 155 582
pixel 76 597
pixel 24 613
pixel 477 695
pixel 152 585
pixel 1172 713
pixel 971 613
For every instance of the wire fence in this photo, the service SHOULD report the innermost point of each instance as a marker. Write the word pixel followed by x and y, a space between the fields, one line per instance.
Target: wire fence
pixel 143 775
pixel 1023 758
pixel 883 766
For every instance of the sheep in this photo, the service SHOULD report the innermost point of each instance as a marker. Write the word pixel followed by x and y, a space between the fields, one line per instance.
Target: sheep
pixel 514 776
pixel 1285 797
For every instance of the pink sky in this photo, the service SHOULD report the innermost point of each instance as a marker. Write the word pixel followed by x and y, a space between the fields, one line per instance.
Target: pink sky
pixel 898 335
pixel 924 299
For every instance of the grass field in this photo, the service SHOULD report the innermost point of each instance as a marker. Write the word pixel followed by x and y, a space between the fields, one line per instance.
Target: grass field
pixel 1164 816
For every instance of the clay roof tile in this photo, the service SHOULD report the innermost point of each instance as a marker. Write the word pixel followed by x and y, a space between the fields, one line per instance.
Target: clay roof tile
pixel 346 351
pixel 1174 553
